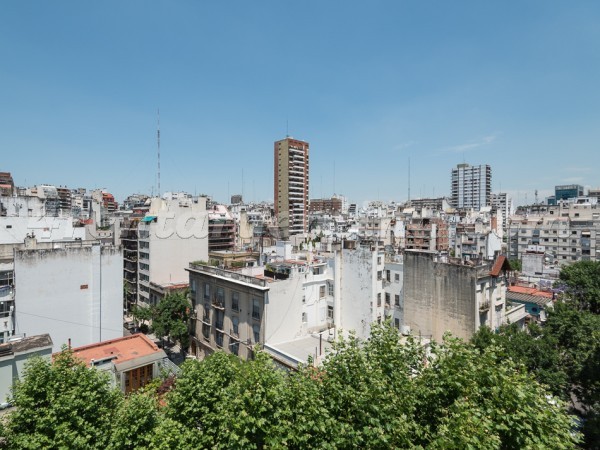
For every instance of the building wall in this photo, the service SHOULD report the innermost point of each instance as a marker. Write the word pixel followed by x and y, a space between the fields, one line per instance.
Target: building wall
pixel 212 292
pixel 299 305
pixel 73 293
pixel 359 290
pixel 393 285
pixel 178 236
pixel 438 297
pixel 12 368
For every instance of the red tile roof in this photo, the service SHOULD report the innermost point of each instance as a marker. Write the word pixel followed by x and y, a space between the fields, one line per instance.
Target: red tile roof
pixel 500 264
pixel 529 291
pixel 122 349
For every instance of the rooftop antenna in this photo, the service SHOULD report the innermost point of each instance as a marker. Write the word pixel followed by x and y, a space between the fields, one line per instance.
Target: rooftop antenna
pixel 287 128
pixel 409 178
pixel 536 197
pixel 158 148
pixel 334 177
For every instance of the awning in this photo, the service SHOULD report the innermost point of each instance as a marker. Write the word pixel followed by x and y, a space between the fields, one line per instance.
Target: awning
pixel 149 218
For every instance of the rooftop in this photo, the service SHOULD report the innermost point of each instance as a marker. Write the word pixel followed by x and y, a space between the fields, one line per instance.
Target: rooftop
pixel 118 350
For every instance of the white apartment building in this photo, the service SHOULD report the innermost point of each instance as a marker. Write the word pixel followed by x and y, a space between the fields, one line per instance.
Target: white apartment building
pixel 171 235
pixel 471 186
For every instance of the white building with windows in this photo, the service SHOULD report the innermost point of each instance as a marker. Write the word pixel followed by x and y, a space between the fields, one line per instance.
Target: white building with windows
pixel 471 186
pixel 173 233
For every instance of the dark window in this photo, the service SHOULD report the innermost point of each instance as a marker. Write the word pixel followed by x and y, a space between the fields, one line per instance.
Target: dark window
pixel 255 308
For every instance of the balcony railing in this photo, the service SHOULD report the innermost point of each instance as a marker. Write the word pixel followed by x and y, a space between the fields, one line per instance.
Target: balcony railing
pixel 228 274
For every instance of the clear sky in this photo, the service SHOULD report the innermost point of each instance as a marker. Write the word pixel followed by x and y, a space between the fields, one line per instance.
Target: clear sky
pixel 370 84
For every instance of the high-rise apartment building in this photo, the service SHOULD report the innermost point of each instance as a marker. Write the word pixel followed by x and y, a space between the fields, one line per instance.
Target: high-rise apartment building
pixel 471 186
pixel 291 186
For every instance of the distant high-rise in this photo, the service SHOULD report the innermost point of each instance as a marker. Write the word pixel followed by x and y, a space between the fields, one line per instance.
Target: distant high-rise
pixel 471 186
pixel 291 186
pixel 565 192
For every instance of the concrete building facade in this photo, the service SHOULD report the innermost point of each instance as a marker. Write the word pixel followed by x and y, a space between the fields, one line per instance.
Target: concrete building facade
pixel 565 233
pixel 443 297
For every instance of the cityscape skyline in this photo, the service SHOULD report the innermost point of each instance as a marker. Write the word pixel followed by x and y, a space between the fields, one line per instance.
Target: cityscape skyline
pixel 510 85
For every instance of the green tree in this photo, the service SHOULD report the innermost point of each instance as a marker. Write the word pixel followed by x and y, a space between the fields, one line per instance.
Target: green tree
pixel 61 405
pixel 467 399
pixel 141 314
pixel 171 317
pixel 581 282
pixel 135 422
pixel 515 265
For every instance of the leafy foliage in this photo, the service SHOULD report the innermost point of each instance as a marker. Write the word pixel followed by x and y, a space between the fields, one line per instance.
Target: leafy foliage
pixel 386 392
pixel 61 405
pixel 171 317
pixel 516 265
pixel 564 354
pixel 581 281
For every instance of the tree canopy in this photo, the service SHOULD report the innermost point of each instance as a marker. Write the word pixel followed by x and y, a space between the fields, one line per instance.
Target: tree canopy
pixel 564 353
pixel 581 283
pixel 385 392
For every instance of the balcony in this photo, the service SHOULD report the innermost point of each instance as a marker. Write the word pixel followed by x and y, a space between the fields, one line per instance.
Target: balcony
pixel 218 303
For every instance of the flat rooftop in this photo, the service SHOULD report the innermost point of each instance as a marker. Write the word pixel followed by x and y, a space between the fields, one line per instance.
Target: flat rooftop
pixel 120 350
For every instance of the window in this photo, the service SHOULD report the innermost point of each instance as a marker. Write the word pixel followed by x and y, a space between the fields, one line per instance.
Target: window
pixel 397 300
pixel 220 298
pixel 136 378
pixel 256 333
pixel 235 326
pixel 206 313
pixel 219 339
pixel 235 301
pixel 387 299
pixel 397 278
pixel 330 288
pixel 388 275
pixel 304 317
pixel 206 331
pixel 397 323
pixel 330 312
pixel 235 347
pixel 379 274
pixel 379 299
pixel 219 319
pixel 255 308
pixel 206 290
pixel 321 291
pixel 378 260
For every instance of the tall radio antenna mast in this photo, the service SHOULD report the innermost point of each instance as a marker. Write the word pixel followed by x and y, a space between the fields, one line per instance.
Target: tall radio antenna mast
pixel 158 148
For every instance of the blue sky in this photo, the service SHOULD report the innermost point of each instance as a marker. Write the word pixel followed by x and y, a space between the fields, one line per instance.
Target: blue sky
pixel 368 84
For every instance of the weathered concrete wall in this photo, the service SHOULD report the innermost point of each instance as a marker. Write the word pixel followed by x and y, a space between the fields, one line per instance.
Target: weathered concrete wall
pixel 74 293
pixel 439 297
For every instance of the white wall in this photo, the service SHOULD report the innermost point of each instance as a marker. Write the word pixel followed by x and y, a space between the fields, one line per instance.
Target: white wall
pixel 74 293
pixel 358 290
pixel 13 230
pixel 178 237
